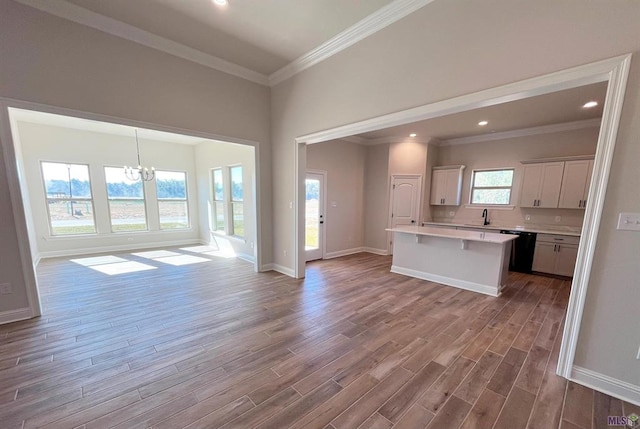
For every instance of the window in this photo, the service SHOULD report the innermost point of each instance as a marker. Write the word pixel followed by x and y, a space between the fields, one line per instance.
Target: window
pixel 69 200
pixel 173 208
pixel 126 201
pixel 228 200
pixel 237 204
pixel 491 186
pixel 218 200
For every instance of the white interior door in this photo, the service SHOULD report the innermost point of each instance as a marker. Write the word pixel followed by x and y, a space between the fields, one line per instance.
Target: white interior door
pixel 405 197
pixel 314 216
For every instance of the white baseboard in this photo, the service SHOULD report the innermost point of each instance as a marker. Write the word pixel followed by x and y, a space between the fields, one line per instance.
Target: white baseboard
pixel 381 252
pixel 265 267
pixel 116 248
pixel 345 252
pixel 279 268
pixel 246 257
pixel 462 284
pixel 602 383
pixel 15 315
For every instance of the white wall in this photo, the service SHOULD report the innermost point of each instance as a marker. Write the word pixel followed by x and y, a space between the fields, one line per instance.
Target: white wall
pixel 210 155
pixel 344 163
pixel 508 153
pixel 376 197
pixel 407 157
pixel 98 150
pixel 432 161
pixel 457 47
pixel 52 61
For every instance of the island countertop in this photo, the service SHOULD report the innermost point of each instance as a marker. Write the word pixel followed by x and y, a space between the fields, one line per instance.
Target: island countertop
pixel 486 237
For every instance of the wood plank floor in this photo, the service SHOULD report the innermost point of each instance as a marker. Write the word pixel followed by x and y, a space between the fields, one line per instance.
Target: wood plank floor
pixel 197 340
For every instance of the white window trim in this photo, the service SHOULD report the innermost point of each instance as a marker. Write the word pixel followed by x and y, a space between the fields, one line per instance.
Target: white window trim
pixel 144 204
pixel 46 201
pixel 230 202
pixel 507 206
pixel 185 199
pixel 214 222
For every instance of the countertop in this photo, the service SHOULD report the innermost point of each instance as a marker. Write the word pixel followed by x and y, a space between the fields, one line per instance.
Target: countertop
pixel 569 231
pixel 487 237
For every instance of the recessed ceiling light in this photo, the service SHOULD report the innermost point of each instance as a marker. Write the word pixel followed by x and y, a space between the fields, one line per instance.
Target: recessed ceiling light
pixel 483 123
pixel 412 135
pixel 221 2
pixel 590 104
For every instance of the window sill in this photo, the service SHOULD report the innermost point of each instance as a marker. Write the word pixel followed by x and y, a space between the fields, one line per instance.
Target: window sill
pixel 113 234
pixel 489 206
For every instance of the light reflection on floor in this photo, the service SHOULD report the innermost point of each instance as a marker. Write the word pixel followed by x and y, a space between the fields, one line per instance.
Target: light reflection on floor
pixel 98 260
pixel 113 265
pixel 122 267
pixel 153 254
pixel 177 261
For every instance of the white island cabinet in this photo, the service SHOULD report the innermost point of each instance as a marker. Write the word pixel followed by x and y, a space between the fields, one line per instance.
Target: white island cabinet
pixel 471 260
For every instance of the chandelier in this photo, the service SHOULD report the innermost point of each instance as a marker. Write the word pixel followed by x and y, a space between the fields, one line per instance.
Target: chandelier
pixel 139 173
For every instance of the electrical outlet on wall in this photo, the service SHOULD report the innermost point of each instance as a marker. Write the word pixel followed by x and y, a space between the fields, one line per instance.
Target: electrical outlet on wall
pixel 558 218
pixel 6 289
pixel 527 217
pixel 452 214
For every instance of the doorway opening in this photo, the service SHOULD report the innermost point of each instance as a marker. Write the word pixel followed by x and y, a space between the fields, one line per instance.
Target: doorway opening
pixel 67 175
pixel 613 71
pixel 314 219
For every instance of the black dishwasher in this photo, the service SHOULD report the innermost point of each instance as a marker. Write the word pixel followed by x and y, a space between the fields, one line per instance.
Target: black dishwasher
pixel 522 249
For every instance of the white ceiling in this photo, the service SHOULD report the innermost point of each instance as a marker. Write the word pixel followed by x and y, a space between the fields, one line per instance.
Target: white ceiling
pixel 261 35
pixel 549 109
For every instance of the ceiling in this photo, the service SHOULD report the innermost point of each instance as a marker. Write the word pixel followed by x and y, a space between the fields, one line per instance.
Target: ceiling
pixel 261 35
pixel 549 109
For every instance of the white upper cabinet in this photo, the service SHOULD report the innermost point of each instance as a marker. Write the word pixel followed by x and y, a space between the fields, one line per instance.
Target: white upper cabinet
pixel 541 184
pixel 575 184
pixel 446 186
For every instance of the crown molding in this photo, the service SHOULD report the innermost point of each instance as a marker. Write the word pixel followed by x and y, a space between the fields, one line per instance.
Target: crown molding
pixel 373 23
pixel 544 129
pixel 378 20
pixel 80 15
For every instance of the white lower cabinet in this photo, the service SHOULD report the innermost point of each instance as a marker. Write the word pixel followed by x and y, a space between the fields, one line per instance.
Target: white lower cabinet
pixel 555 254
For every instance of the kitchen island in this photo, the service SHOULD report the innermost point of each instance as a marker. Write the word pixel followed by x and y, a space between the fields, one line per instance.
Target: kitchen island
pixel 471 260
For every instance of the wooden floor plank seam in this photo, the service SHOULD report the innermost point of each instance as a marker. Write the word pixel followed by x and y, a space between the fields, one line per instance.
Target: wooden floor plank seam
pixel 188 347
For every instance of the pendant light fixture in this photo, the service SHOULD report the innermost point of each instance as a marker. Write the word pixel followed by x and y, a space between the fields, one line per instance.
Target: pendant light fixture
pixel 139 173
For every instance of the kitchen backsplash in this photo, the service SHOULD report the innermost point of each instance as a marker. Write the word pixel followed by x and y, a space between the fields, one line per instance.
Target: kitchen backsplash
pixel 548 218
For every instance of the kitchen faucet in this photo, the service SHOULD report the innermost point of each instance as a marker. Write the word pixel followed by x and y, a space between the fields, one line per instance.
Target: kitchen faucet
pixel 485 216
